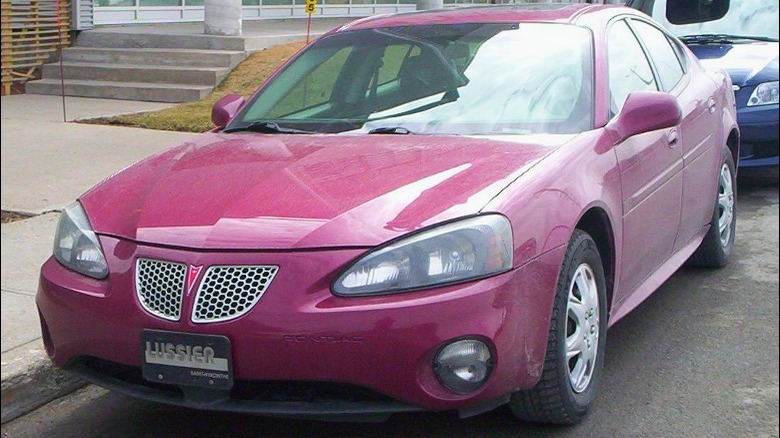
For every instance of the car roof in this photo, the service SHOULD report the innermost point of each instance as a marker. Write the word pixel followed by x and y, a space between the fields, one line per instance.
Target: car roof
pixel 537 12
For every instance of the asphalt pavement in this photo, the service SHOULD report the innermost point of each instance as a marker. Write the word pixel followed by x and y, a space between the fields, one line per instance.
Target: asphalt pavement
pixel 699 358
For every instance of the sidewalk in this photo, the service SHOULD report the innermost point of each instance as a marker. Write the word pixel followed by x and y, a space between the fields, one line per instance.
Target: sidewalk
pixel 45 165
pixel 257 34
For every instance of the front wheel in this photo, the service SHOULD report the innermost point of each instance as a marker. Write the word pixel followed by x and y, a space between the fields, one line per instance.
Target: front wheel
pixel 715 250
pixel 575 343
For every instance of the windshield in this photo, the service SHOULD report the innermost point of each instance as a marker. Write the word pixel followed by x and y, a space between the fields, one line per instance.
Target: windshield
pixel 478 78
pixel 751 18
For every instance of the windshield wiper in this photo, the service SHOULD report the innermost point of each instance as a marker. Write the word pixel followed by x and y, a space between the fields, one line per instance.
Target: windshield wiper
pixel 448 97
pixel 266 127
pixel 390 130
pixel 721 38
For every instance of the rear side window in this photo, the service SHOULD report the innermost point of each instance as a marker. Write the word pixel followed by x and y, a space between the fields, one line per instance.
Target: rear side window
pixel 667 63
pixel 629 69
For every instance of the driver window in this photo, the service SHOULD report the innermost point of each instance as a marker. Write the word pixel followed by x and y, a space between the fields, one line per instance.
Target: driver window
pixel 629 69
pixel 392 60
pixel 315 89
pixel 667 64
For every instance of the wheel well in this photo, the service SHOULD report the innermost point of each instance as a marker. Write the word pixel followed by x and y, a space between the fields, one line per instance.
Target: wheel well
pixel 733 145
pixel 596 223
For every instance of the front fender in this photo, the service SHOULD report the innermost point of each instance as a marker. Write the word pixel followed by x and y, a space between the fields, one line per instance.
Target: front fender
pixel 546 203
pixel 728 111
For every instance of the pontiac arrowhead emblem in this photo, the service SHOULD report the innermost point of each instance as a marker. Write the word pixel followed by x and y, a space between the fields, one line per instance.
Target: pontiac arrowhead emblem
pixel 192 275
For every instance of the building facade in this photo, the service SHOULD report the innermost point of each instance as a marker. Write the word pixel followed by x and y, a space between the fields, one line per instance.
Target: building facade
pixel 89 13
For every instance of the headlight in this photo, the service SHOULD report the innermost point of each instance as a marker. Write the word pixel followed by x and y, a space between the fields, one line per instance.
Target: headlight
pixel 458 251
pixel 76 246
pixel 764 94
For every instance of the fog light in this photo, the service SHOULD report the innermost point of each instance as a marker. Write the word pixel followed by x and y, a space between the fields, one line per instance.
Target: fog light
pixel 463 366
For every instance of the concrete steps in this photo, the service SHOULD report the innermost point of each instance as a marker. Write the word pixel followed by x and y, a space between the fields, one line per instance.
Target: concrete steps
pixel 147 91
pixel 176 57
pixel 138 65
pixel 130 73
pixel 105 38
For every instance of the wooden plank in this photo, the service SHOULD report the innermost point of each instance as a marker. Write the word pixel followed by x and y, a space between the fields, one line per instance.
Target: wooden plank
pixel 31 31
pixel 41 48
pixel 28 64
pixel 25 61
pixel 21 46
pixel 5 11
pixel 41 38
pixel 14 79
pixel 45 12
pixel 40 27
pixel 26 75
pixel 26 30
pixel 33 20
pixel 49 9
pixel 19 16
pixel 43 51
pixel 30 51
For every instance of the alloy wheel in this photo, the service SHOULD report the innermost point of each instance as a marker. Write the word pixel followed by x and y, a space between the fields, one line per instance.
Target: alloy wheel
pixel 725 205
pixel 582 327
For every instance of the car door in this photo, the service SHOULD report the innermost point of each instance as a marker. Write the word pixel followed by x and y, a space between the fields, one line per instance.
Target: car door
pixel 650 167
pixel 697 136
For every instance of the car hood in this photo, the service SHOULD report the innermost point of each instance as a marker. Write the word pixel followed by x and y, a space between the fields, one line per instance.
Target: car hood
pixel 747 64
pixel 255 191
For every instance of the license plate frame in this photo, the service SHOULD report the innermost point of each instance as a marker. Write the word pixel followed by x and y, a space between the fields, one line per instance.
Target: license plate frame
pixel 186 359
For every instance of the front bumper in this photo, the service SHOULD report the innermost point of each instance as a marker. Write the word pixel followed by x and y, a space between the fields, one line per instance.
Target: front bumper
pixel 758 126
pixel 300 333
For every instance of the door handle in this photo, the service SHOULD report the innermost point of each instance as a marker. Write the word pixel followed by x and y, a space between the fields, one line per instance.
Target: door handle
pixel 711 105
pixel 673 138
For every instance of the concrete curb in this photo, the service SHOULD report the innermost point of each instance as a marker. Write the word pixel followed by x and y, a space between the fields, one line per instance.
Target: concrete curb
pixel 32 381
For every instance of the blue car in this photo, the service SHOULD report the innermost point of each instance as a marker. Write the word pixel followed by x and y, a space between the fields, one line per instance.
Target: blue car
pixel 740 36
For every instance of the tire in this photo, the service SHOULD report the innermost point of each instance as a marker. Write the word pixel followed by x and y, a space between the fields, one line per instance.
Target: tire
pixel 716 248
pixel 558 398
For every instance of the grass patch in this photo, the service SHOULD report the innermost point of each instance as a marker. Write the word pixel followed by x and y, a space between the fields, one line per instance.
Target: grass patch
pixel 196 116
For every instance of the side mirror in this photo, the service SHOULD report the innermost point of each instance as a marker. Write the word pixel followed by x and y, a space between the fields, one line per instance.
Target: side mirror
pixel 226 108
pixel 646 111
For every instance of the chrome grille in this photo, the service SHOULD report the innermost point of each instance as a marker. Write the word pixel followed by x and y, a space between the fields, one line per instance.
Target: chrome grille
pixel 228 292
pixel 159 286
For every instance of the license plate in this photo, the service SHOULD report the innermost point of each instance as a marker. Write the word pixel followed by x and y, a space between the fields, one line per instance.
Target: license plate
pixel 186 359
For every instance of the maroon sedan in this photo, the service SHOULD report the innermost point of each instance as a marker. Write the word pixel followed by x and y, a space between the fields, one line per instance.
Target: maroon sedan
pixel 441 210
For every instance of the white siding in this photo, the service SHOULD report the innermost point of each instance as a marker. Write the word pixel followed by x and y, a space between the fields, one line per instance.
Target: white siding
pixel 83 15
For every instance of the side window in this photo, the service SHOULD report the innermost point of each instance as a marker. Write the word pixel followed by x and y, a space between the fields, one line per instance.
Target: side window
pixel 315 89
pixel 629 69
pixel 666 62
pixel 392 60
pixel 678 50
